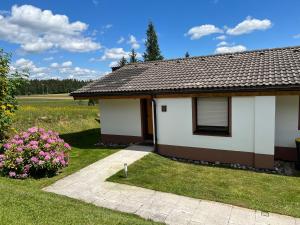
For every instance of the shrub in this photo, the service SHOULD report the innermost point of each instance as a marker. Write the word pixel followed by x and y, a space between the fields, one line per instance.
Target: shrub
pixel 35 152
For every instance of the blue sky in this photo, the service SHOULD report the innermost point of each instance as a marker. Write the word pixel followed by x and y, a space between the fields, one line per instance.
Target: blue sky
pixel 81 39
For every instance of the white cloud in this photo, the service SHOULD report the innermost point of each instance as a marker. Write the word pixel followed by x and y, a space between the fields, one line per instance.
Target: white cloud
pixel 296 36
pixel 114 53
pixel 113 63
pixel 38 30
pixel 121 40
pixel 222 43
pixel 249 25
pixel 28 65
pixel 230 49
pixel 133 42
pixel 221 37
pixel 66 64
pixel 56 70
pixel 48 58
pixel 54 65
pixel 203 30
pixel 108 26
pixel 95 2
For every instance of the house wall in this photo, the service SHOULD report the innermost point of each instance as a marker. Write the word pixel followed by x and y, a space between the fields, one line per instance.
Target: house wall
pixel 287 113
pixel 120 120
pixel 253 124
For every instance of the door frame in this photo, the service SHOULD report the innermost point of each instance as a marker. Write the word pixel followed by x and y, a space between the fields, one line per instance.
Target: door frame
pixel 144 119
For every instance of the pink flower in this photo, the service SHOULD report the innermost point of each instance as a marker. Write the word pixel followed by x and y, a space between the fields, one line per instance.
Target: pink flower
pixel 42 130
pixel 26 168
pixel 47 157
pixel 2 157
pixel 33 129
pixel 63 162
pixel 34 147
pixel 19 160
pixel 33 142
pixel 34 159
pixel 1 164
pixel 12 174
pixel 25 135
pixel 67 146
pixel 50 141
pixel 42 153
pixel 55 161
pixel 7 146
pixel 19 149
pixel 20 142
pixel 41 162
pixel 47 145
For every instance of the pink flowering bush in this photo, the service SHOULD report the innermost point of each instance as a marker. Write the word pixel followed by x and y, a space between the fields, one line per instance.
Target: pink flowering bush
pixel 35 153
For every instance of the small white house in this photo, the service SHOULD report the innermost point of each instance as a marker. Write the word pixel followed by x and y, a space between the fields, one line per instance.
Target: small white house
pixel 232 108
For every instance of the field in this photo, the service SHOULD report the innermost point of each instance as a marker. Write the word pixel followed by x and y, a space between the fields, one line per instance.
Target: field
pixel 23 201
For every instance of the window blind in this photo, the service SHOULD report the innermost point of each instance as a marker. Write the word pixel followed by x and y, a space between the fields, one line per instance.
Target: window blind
pixel 212 111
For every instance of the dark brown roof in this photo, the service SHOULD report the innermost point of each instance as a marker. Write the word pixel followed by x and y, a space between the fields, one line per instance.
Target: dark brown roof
pixel 259 70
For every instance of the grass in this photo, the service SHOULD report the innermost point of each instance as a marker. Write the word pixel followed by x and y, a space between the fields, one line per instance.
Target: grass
pixel 63 116
pixel 265 192
pixel 23 201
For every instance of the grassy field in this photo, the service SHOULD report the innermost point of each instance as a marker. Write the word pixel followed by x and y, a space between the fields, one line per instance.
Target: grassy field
pixel 23 201
pixel 266 192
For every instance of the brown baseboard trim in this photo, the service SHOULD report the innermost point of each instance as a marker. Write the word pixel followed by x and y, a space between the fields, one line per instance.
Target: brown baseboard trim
pixel 120 139
pixel 286 153
pixel 213 155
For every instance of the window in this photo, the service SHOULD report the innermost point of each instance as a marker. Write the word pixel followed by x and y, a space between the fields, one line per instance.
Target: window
pixel 212 116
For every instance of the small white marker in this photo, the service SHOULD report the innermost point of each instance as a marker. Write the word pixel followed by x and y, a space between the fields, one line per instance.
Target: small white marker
pixel 125 169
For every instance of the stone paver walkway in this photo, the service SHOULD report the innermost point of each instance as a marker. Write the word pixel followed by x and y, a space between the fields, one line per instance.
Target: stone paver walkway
pixel 89 185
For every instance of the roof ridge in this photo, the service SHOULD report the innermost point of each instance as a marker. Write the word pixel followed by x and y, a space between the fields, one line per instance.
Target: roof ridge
pixel 215 55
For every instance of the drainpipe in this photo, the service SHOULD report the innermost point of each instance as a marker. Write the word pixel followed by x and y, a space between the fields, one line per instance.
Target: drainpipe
pixel 155 125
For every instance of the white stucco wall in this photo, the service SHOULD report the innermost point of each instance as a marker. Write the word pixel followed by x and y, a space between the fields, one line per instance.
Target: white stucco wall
pixel 264 132
pixel 287 109
pixel 175 125
pixel 120 117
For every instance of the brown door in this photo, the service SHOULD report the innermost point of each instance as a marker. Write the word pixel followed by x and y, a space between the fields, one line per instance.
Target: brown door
pixel 147 119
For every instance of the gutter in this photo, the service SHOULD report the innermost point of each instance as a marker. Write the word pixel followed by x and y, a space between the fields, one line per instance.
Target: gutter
pixel 155 125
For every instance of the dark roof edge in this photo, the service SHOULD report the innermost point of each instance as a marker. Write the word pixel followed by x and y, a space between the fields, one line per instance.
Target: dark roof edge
pixel 190 91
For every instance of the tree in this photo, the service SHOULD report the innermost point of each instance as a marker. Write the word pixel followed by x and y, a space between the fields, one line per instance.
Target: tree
pixel 187 55
pixel 122 62
pixel 132 56
pixel 9 83
pixel 152 48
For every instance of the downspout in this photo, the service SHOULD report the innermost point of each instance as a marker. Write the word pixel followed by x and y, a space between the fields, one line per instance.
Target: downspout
pixel 155 125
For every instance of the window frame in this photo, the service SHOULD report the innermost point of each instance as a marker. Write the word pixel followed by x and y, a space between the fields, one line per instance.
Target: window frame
pixel 210 130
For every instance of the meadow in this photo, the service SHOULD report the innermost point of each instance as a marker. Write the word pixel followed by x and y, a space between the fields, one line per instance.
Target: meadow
pixel 23 201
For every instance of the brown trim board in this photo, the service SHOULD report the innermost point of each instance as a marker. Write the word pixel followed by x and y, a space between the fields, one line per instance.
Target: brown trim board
pixel 286 153
pixel 120 139
pixel 223 156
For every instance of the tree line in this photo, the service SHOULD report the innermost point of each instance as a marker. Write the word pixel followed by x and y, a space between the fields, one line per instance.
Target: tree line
pixel 50 86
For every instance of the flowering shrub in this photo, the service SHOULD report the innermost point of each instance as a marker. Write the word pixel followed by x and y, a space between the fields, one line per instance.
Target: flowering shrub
pixel 35 153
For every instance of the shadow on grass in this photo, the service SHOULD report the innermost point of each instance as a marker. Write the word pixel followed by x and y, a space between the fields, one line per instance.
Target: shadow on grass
pixel 85 139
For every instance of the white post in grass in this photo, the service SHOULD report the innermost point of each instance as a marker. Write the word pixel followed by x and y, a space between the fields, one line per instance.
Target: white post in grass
pixel 125 170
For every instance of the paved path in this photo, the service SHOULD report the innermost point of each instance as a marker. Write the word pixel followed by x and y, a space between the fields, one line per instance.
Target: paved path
pixel 89 185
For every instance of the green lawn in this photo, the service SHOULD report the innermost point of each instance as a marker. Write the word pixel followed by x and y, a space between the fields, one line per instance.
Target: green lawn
pixel 23 201
pixel 266 192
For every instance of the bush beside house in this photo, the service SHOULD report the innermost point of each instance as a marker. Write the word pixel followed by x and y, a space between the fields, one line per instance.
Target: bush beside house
pixel 35 152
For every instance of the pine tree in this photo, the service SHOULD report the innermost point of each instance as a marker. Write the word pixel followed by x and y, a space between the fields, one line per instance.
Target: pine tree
pixel 132 56
pixel 187 55
pixel 152 48
pixel 122 62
